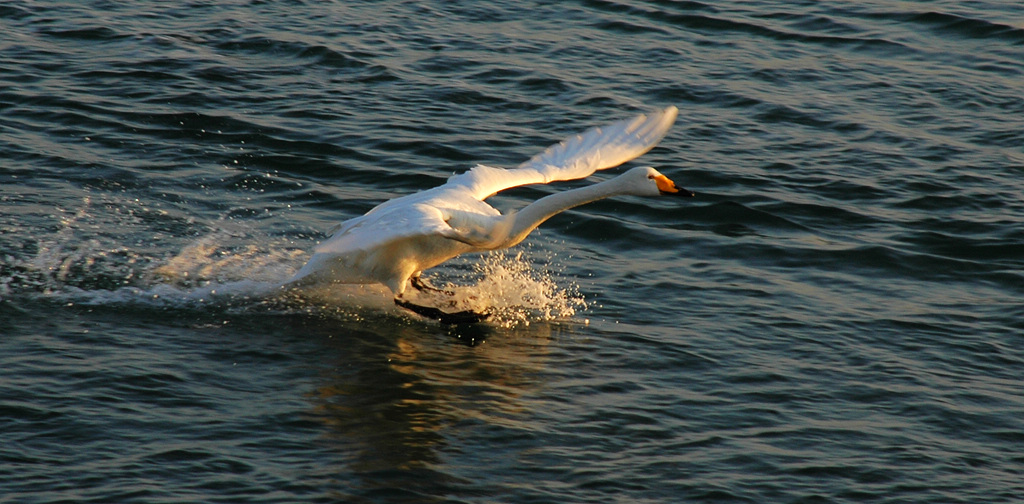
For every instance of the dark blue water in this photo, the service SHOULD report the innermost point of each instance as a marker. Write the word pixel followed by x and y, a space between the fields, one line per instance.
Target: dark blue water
pixel 836 317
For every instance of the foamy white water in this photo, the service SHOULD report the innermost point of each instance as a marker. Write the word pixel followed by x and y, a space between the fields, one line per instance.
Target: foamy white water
pixel 220 269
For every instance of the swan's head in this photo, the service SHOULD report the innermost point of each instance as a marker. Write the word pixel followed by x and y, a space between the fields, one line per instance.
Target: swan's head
pixel 646 181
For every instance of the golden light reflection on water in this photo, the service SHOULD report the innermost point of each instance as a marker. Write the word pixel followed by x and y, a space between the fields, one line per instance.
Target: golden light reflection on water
pixel 397 393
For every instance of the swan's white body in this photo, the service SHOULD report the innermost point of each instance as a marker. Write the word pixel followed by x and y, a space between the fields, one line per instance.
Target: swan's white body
pixel 398 239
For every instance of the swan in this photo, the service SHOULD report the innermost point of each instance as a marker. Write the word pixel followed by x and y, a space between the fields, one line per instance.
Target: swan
pixel 396 241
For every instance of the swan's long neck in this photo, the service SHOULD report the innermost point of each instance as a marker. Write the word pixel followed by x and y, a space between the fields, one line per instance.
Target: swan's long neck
pixel 534 214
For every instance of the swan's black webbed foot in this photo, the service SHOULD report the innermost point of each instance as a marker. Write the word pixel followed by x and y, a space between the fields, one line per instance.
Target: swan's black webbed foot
pixel 460 317
pixel 423 286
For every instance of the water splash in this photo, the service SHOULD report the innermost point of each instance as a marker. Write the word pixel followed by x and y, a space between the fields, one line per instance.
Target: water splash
pixel 82 252
pixel 89 261
pixel 209 260
pixel 113 252
pixel 510 287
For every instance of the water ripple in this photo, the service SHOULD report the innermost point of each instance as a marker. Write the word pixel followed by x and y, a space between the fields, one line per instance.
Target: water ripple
pixel 834 317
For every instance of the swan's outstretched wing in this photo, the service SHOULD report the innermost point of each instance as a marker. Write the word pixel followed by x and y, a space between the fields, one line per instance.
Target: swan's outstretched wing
pixel 576 157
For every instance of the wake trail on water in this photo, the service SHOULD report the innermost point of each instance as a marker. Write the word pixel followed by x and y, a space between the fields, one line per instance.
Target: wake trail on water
pixel 235 268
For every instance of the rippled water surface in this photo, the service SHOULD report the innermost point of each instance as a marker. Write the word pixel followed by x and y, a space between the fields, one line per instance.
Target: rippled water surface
pixel 836 317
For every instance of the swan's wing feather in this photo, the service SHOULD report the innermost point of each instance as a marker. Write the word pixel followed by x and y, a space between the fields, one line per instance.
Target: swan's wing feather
pixel 604 147
pixel 486 232
pixel 375 248
pixel 417 221
pixel 576 157
pixel 371 231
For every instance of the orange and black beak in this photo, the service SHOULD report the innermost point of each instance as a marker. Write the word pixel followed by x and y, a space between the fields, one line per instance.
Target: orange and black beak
pixel 669 188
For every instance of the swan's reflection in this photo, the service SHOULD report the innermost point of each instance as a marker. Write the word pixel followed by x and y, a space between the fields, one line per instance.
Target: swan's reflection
pixel 396 398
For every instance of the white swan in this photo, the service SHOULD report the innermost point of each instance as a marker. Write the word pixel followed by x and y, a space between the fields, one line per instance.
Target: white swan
pixel 397 240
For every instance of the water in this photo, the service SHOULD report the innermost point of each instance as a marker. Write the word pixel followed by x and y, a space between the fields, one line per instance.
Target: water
pixel 836 317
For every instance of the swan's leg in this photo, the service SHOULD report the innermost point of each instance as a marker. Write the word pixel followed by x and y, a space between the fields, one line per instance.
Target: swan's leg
pixel 461 317
pixel 422 285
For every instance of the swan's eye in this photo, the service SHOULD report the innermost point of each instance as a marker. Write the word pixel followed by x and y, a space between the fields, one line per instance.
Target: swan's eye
pixel 651 177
